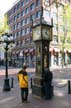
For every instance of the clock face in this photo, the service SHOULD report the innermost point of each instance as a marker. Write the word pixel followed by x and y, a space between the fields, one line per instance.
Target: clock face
pixel 42 32
pixel 46 33
pixel 37 33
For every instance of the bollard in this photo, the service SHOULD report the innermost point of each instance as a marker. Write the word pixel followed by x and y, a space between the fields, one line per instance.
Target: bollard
pixel 12 80
pixel 69 91
pixel 31 82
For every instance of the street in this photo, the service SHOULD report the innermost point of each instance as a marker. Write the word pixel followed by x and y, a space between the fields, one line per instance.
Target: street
pixel 12 99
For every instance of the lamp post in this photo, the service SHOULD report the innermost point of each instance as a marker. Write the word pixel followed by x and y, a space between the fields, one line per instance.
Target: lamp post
pixel 6 39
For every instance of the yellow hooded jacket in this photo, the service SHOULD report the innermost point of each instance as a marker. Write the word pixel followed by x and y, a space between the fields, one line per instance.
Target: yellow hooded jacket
pixel 23 79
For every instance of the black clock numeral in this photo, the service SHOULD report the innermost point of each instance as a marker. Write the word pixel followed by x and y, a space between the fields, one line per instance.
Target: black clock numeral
pixel 46 33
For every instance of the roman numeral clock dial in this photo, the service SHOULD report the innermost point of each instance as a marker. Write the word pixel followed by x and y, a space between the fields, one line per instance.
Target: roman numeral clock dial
pixel 46 33
pixel 37 33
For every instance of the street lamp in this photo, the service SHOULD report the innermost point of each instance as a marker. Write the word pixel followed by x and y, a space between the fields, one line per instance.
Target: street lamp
pixel 7 40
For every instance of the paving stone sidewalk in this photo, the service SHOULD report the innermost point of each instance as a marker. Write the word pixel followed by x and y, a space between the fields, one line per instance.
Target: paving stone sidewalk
pixel 61 99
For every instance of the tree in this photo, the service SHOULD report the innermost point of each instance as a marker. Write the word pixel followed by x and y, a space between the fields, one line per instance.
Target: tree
pixel 4 27
pixel 66 38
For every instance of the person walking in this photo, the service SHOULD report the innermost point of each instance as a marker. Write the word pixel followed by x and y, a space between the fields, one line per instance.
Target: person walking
pixel 23 83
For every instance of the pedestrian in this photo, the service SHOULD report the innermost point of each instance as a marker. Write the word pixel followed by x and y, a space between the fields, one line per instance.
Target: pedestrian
pixel 23 83
pixel 48 84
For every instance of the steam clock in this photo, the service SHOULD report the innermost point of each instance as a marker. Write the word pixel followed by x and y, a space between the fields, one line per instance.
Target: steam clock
pixel 42 35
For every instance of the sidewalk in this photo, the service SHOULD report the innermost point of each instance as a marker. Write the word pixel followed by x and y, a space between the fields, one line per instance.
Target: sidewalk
pixel 61 99
pixel 12 99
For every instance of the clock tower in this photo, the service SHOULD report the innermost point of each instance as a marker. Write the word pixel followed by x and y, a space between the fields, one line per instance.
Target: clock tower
pixel 42 35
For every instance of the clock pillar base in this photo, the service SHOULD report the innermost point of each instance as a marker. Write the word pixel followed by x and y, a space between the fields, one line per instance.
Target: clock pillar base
pixel 38 87
pixel 37 91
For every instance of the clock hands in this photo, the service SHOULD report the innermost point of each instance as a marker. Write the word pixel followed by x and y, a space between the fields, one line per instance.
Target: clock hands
pixel 46 32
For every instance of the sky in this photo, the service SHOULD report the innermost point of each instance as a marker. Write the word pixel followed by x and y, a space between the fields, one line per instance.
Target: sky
pixel 5 5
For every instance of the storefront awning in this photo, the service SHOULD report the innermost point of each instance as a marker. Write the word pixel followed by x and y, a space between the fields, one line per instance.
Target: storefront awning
pixel 31 50
pixel 18 51
pixel 57 50
pixel 54 50
pixel 69 51
pixel 26 51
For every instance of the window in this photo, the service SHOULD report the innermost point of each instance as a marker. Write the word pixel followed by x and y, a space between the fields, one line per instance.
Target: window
pixel 22 4
pixel 61 28
pixel 10 21
pixel 19 42
pixel 55 28
pixel 38 14
pixel 55 39
pixel 23 22
pixel 16 43
pixel 18 25
pixel 23 42
pixel 14 27
pixel 11 28
pixel 19 33
pixel 27 10
pixel 46 13
pixel 55 16
pixel 32 6
pixel 23 13
pixel 18 6
pixel 30 39
pixel 37 2
pixel 26 1
pixel 15 35
pixel 54 7
pixel 14 9
pixel 32 17
pixel 62 39
pixel 22 32
pixel 15 18
pixel 27 20
pixel 30 29
pixel 27 30
pixel 18 15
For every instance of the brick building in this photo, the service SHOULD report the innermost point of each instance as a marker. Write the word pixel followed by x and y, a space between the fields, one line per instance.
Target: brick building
pixel 20 16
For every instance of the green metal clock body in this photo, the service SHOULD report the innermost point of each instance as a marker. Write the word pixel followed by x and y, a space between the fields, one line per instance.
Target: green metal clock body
pixel 42 35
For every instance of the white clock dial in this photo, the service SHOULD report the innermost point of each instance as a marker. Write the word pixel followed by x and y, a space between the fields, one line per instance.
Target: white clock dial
pixel 36 33
pixel 45 33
